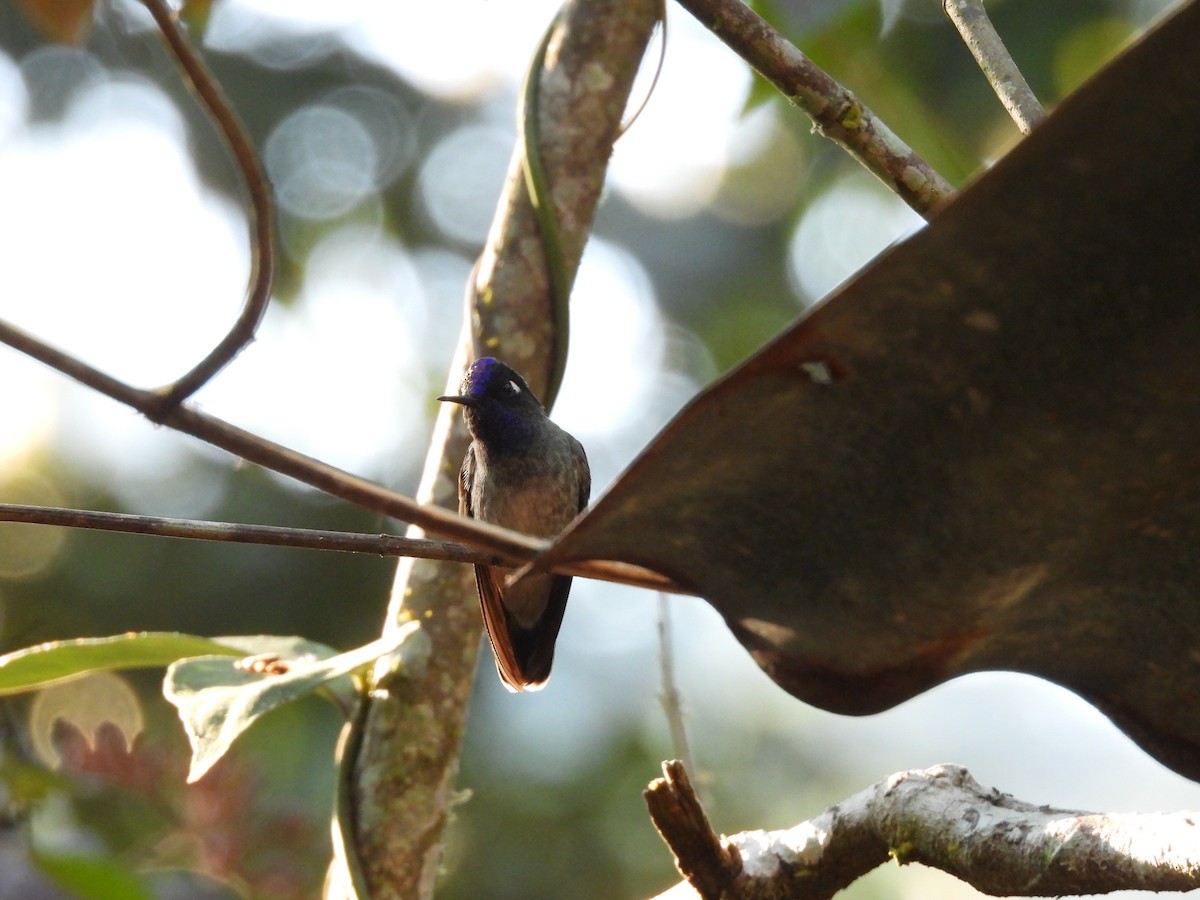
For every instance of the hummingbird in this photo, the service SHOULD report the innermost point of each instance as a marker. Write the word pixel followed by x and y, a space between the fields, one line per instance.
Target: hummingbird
pixel 523 472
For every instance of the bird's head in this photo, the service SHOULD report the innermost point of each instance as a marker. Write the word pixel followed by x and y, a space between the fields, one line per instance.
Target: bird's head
pixel 498 404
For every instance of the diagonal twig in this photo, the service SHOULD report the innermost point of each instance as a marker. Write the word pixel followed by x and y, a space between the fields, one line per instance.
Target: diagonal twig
pixel 509 545
pixel 981 38
pixel 260 210
pixel 836 113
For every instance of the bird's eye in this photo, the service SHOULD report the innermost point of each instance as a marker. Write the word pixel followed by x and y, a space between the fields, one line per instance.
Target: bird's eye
pixel 510 389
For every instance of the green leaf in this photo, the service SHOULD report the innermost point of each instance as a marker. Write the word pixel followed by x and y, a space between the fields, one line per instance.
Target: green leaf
pixel 92 877
pixel 35 667
pixel 218 699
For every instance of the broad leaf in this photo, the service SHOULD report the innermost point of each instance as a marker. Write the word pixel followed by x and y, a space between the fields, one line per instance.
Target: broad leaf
pixel 36 667
pixel 219 698
pixel 983 452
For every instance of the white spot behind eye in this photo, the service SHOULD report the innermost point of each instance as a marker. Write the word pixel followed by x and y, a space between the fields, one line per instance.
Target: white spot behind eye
pixel 511 389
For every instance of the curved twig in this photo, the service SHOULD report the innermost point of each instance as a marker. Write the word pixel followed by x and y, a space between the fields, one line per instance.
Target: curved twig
pixel 659 65
pixel 835 111
pixel 260 210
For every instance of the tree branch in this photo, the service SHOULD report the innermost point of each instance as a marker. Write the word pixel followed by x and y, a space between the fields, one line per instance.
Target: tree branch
pixel 240 533
pixel 709 864
pixel 310 539
pixel 260 211
pixel 407 750
pixel 981 38
pixel 835 112
pixel 942 817
pixel 510 546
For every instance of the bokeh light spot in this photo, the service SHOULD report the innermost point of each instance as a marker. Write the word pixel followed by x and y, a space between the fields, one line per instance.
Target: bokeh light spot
pixel 390 125
pixel 322 162
pixel 843 230
pixel 27 550
pixel 766 173
pixel 461 179
pixel 85 703
pixel 618 337
pixel 671 161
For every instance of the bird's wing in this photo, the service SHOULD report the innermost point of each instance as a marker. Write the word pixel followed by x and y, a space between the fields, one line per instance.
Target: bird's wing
pixel 584 474
pixel 466 478
pixel 527 654
pixel 504 634
pixel 523 655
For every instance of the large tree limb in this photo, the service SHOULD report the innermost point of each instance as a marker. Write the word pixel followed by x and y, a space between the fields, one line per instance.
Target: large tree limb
pixel 943 818
pixel 407 751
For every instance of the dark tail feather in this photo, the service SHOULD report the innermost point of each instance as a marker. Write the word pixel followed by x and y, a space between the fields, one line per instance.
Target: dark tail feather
pixel 523 655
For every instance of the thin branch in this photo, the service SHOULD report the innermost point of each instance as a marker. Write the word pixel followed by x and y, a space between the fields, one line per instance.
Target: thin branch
pixel 942 817
pixel 303 538
pixel 508 545
pixel 239 533
pixel 260 211
pixel 671 699
pixel 981 38
pixel 836 113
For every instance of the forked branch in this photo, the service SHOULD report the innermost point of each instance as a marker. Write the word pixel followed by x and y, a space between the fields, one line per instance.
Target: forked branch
pixel 940 817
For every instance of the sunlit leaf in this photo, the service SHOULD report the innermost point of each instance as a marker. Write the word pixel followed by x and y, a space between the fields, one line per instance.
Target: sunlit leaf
pixel 35 667
pixel 219 698
pixel 982 453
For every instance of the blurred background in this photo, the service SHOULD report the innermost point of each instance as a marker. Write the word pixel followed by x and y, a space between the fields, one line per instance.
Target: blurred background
pixel 386 129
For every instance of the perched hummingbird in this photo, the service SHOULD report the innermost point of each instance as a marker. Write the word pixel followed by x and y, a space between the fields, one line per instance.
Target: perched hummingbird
pixel 525 473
